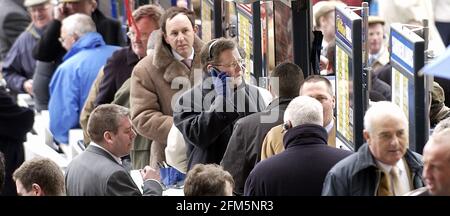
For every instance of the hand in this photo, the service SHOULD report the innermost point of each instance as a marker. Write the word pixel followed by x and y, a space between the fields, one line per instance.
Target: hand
pixel 220 82
pixel 150 173
pixel 60 12
pixel 28 86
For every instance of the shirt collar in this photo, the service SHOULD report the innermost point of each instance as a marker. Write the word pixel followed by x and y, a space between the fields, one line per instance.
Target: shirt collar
pixel 180 58
pixel 329 126
pixel 387 168
pixel 117 159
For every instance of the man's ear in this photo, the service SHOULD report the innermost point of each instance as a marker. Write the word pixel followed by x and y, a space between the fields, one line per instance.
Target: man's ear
pixel 366 135
pixel 107 136
pixel 195 29
pixel 37 190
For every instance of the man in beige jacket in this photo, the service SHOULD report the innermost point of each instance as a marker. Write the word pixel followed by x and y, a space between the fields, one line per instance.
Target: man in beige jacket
pixel 153 77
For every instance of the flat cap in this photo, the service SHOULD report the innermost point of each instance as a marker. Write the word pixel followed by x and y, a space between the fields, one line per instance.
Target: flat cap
pixel 375 20
pixel 29 3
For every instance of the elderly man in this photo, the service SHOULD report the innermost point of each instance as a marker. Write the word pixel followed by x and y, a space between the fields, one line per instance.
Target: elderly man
pixel 244 148
pixel 39 177
pixel 382 167
pixel 19 64
pixel 319 88
pixel 290 172
pixel 13 21
pixel 48 49
pixel 436 160
pixel 98 171
pixel 69 87
pixel 154 82
pixel 206 114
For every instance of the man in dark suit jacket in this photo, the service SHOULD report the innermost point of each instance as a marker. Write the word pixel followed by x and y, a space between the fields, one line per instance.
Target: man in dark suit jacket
pixel 14 20
pixel 98 171
pixel 301 169
pixel 244 148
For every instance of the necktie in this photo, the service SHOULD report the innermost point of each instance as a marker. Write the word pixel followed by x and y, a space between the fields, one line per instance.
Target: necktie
pixel 396 183
pixel 187 62
pixel 384 188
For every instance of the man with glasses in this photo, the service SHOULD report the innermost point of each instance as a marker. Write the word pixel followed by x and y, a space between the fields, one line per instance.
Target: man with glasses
pixel 206 114
pixel 19 64
pixel 118 69
pixel 70 85
pixel 49 52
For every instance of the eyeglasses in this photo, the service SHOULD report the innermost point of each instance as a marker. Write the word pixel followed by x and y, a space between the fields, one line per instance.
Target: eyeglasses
pixel 61 40
pixel 233 64
pixel 133 35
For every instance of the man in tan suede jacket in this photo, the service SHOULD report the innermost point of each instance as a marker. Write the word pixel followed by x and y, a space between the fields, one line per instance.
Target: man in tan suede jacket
pixel 162 75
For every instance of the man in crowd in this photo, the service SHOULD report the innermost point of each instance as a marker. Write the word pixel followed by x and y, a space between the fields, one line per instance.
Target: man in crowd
pixel 19 64
pixel 319 88
pixel 39 177
pixel 244 148
pixel 70 85
pixel 154 82
pixel 98 171
pixel 291 172
pixel 208 180
pixel 384 166
pixel 206 114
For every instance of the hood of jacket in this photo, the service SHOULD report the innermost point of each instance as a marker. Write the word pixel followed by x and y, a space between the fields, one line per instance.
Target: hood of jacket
pixel 306 134
pixel 163 57
pixel 88 41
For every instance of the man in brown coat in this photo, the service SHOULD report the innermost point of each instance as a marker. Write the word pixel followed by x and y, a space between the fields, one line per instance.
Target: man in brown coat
pixel 153 77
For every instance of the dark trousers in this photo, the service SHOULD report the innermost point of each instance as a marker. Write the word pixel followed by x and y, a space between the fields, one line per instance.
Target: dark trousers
pixel 14 157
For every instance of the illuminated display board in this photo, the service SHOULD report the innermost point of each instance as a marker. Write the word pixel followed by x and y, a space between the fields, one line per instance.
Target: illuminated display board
pixel 408 89
pixel 245 35
pixel 349 82
pixel 207 15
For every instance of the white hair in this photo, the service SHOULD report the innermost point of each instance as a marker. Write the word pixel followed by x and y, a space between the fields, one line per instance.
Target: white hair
pixel 304 110
pixel 382 109
pixel 78 24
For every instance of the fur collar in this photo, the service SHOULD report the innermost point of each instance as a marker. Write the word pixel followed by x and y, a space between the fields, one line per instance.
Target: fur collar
pixel 165 62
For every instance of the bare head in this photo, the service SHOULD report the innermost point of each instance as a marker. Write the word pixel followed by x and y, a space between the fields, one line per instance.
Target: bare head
pixel 39 177
pixel 285 80
pixel 303 110
pixel 436 159
pixel 386 132
pixel 74 27
pixel 110 126
pixel 208 180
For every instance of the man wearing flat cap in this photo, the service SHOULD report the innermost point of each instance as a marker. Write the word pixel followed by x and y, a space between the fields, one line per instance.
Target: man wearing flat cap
pixel 378 53
pixel 324 21
pixel 49 49
pixel 18 66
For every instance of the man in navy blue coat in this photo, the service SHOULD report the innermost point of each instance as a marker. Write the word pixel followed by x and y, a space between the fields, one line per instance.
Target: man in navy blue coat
pixel 291 173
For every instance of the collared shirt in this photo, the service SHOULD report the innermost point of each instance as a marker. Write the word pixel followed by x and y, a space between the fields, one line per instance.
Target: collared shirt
pixel 329 126
pixel 180 58
pixel 117 159
pixel 402 173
